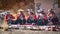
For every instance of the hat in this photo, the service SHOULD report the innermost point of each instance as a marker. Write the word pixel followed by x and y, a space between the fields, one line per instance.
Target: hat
pixel 7 11
pixel 20 10
pixel 28 10
pixel 40 10
pixel 1 10
pixel 50 10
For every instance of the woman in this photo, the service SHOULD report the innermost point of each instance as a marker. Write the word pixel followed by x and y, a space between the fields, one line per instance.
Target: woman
pixel 30 19
pixel 21 18
pixel 52 17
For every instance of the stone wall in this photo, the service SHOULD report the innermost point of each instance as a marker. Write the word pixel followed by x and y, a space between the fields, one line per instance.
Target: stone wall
pixel 47 4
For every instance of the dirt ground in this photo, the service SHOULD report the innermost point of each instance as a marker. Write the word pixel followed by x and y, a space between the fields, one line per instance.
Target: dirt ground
pixel 28 32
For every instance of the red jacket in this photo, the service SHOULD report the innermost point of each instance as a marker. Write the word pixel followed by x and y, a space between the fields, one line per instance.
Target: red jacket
pixel 8 16
pixel 34 17
pixel 18 16
pixel 45 17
